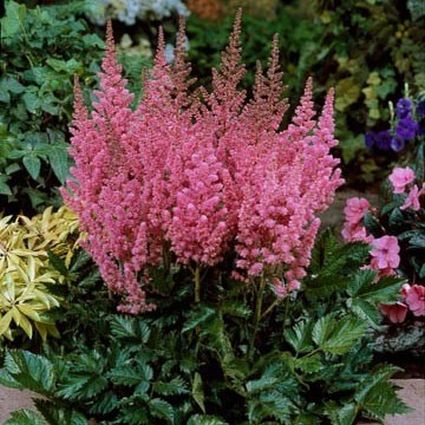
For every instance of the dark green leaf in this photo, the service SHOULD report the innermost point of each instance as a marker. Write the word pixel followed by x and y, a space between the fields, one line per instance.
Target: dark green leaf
pixel 205 420
pixel 25 417
pixel 161 409
pixel 197 317
pixel 300 336
pixel 31 371
pixel 32 102
pixel 198 391
pixel 337 336
pixel 32 164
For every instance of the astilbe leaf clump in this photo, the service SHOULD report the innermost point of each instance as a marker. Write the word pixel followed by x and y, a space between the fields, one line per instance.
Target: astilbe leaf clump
pixel 197 177
pixel 312 361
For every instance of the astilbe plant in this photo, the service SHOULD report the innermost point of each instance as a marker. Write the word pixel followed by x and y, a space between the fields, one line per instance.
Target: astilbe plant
pixel 196 176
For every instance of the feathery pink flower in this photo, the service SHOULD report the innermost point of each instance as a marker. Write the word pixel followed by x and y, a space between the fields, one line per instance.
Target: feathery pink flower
pixel 203 176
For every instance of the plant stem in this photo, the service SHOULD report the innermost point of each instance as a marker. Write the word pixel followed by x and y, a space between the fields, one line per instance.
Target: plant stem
pixel 197 278
pixel 257 316
pixel 270 308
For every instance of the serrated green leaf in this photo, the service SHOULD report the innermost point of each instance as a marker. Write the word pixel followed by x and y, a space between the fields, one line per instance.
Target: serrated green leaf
pixel 363 286
pixel 381 374
pixel 366 310
pixel 201 315
pixel 79 386
pixel 310 364
pixel 32 371
pixel 300 336
pixel 105 403
pixel 25 417
pixel 55 414
pixel 382 400
pixel 337 336
pixel 341 415
pixel 174 387
pixel 161 409
pixel 205 420
pixel 123 327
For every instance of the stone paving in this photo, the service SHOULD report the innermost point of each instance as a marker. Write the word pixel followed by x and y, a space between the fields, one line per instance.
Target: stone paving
pixel 412 391
pixel 11 400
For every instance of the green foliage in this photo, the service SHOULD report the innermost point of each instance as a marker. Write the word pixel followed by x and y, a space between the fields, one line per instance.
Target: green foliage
pixel 25 417
pixel 41 50
pixel 309 361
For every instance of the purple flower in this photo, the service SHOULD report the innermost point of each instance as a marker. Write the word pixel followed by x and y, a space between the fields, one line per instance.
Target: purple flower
pixel 406 128
pixel 403 108
pixel 397 144
pixel 369 139
pixel 383 140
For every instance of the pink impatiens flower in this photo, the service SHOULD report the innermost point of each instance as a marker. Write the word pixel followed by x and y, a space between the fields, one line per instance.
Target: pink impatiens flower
pixel 385 252
pixel 412 200
pixel 355 209
pixel 415 299
pixel 400 178
pixel 355 233
pixel 396 313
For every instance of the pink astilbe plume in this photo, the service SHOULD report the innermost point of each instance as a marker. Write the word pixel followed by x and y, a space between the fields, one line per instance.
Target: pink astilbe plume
pixel 199 176
pixel 105 196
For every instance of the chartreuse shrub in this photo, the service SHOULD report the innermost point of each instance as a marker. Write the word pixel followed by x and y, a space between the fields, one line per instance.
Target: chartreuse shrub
pixel 41 50
pixel 301 359
pixel 27 248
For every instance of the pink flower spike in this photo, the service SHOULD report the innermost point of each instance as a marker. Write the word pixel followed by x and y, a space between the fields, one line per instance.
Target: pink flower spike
pixel 400 178
pixel 294 285
pixel 385 251
pixel 415 299
pixel 279 288
pixel 396 313
pixel 412 200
